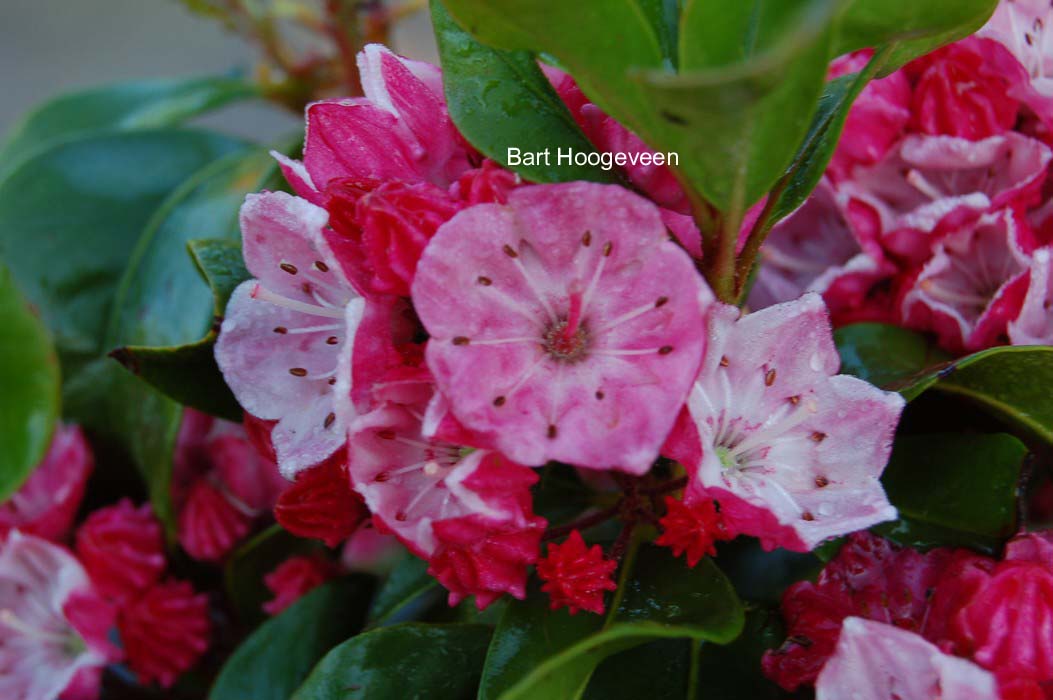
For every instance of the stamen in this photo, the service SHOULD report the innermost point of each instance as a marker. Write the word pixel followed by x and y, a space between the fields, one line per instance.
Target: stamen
pixel 485 281
pixel 321 266
pixel 288 267
pixel 317 329
pixel 329 420
pixel 769 377
pixel 298 371
pixel 626 317
pixel 11 621
pixel 586 239
pixel 916 180
pixel 263 294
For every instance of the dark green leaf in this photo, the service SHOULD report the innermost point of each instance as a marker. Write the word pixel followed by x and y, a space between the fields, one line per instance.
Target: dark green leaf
pixel 955 489
pixel 244 571
pixel 223 267
pixel 138 105
pixel 1011 383
pixel 501 100
pixel 884 354
pixel 71 217
pixel 732 672
pixel 407 584
pixel 751 76
pixel 275 659
pixel 656 670
pixel 29 400
pixel 408 662
pixel 539 654
pixel 664 18
pixel 761 576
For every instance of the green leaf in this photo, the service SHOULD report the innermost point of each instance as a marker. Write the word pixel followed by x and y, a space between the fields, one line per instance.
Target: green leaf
pixel 732 672
pixel 406 585
pixel 918 27
pixel 178 317
pixel 884 354
pixel 954 489
pixel 664 18
pixel 244 571
pixel 275 659
pixel 501 100
pixel 656 670
pixel 29 401
pixel 751 76
pixel 552 654
pixel 137 105
pixel 71 217
pixel 411 661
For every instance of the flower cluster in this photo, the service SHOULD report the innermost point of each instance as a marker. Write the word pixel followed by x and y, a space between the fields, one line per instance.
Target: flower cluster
pixel 933 213
pixel 423 329
pixel 948 619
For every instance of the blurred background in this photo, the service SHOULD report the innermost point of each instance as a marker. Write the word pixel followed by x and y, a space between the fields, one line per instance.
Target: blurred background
pixel 52 46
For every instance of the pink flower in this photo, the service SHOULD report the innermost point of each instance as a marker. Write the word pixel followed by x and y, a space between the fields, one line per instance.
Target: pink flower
pixel 400 130
pixel 792 453
pixel 285 331
pixel 487 184
pixel 931 184
pixel 1034 324
pixel 1022 27
pixel 974 284
pixel 875 121
pixel 484 557
pixel 47 502
pixel 53 625
pixel 221 484
pixel 564 325
pixel 815 250
pixel 576 576
pixel 371 551
pixel 122 547
pixel 1035 547
pixel 410 481
pixel 964 90
pixel 165 632
pixel 878 661
pixel 294 578
pixel 320 503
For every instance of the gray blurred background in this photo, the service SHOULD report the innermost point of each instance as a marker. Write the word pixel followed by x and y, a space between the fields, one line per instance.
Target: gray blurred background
pixel 52 46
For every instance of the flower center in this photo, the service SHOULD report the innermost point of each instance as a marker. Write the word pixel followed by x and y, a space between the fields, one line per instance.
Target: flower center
pixel 565 342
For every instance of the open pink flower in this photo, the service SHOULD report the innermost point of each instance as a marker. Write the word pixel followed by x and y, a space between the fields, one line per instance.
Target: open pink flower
pixel 53 625
pixel 792 453
pixel 564 325
pixel 931 184
pixel 1034 324
pixel 815 250
pixel 1023 27
pixel 410 481
pixel 878 661
pixel 285 331
pixel 47 502
pixel 974 284
pixel 400 130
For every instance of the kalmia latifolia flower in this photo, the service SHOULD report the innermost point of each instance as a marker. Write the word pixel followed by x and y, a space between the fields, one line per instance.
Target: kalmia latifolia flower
pixel 53 624
pixel 221 483
pixel 165 632
pixel 879 661
pixel 122 547
pixel 791 451
pixel 576 576
pixel 1023 27
pixel 564 325
pixel 294 578
pixel 320 504
pixel 47 502
pixel 285 331
pixel 692 530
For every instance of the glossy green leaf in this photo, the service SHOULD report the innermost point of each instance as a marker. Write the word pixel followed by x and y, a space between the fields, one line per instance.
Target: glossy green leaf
pixel 501 100
pixel 71 217
pixel 918 26
pixel 29 400
pixel 136 105
pixel 406 586
pixel 273 662
pixel 884 354
pixel 244 571
pixel 412 661
pixel 954 489
pixel 732 672
pixel 552 654
pixel 664 18
pixel 173 349
pixel 750 78
pixel 656 670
